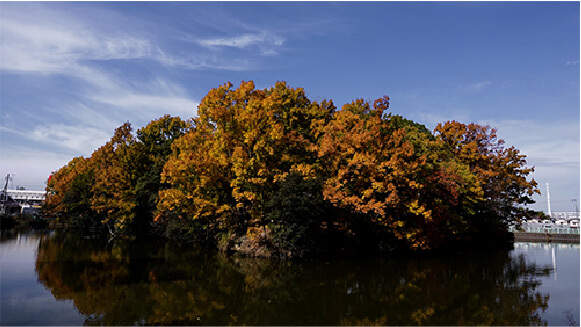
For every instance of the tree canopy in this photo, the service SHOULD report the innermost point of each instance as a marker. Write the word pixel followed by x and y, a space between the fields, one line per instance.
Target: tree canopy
pixel 274 161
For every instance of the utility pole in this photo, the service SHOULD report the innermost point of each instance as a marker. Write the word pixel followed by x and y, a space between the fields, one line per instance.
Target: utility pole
pixel 549 200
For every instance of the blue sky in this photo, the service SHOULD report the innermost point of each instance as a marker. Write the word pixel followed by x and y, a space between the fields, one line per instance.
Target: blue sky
pixel 71 72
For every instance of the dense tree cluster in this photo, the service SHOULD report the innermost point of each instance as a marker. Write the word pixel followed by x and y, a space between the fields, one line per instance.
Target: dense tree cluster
pixel 117 187
pixel 290 173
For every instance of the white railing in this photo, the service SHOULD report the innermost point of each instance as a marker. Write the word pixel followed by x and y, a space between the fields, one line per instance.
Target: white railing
pixel 545 230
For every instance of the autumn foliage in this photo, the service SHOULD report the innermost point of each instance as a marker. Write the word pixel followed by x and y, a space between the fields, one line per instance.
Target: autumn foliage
pixel 118 185
pixel 359 172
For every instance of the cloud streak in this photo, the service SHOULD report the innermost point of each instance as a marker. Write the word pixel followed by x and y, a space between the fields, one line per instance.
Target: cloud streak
pixel 556 159
pixel 77 138
pixel 541 144
pixel 32 167
pixel 53 45
pixel 35 45
pixel 92 62
pixel 266 42
pixel 477 86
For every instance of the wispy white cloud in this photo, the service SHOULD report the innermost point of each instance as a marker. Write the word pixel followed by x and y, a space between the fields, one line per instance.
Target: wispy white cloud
pixel 148 104
pixel 477 86
pixel 81 113
pixel 539 137
pixel 78 138
pixel 150 99
pixel 242 41
pixel 199 62
pixel 554 150
pixel 37 45
pixel 49 42
pixel 266 42
pixel 572 63
pixel 31 166
pixel 537 140
pixel 33 160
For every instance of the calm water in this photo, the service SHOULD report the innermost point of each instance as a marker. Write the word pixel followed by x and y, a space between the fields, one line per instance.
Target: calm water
pixel 58 279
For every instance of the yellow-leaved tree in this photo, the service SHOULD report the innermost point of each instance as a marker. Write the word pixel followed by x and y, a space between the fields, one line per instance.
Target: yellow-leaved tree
pixel 500 172
pixel 383 166
pixel 243 143
pixel 116 164
pixel 255 158
pixel 69 191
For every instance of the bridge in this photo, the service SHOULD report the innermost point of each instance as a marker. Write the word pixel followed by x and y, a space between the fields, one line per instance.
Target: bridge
pixel 22 197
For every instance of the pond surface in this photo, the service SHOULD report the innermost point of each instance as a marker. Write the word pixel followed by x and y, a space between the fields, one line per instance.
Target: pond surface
pixel 67 279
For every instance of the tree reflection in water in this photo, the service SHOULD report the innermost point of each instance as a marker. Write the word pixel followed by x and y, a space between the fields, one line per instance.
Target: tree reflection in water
pixel 128 282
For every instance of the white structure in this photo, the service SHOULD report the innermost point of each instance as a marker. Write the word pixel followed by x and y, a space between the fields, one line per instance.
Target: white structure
pixel 549 200
pixel 560 226
pixel 565 215
pixel 26 196
pixel 562 222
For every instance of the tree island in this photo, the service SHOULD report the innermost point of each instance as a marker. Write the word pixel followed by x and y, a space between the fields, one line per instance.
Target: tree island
pixel 272 173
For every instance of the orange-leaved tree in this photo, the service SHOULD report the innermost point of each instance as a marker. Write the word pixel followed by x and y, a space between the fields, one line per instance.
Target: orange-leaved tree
pixel 395 172
pixel 69 190
pixel 376 168
pixel 116 164
pixel 501 172
pixel 242 144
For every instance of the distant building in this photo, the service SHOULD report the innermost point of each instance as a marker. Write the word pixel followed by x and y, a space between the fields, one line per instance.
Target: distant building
pixel 8 205
pixel 26 196
pixel 563 215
